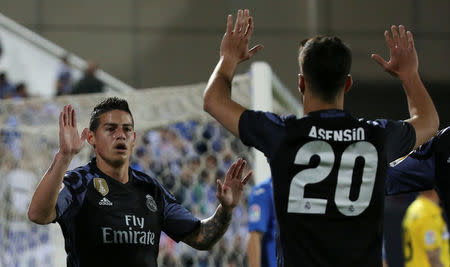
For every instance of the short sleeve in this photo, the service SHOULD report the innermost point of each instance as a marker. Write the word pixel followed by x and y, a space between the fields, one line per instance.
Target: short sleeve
pixel 410 174
pixel 178 221
pixel 68 202
pixel 259 211
pixel 262 130
pixel 400 138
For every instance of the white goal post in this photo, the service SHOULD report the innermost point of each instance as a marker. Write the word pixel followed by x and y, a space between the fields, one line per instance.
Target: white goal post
pixel 265 88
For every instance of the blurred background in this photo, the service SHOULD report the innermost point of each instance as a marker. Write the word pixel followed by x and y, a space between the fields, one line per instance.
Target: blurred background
pixel 160 43
pixel 139 44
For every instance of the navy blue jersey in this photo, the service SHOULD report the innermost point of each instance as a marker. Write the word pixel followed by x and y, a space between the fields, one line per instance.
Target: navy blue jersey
pixel 427 167
pixel 107 223
pixel 261 218
pixel 328 171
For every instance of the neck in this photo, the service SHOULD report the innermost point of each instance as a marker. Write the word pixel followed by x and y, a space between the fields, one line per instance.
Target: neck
pixel 119 173
pixel 312 103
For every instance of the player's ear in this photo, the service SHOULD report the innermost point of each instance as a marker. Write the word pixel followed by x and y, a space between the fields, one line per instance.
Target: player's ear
pixel 348 83
pixel 91 138
pixel 301 83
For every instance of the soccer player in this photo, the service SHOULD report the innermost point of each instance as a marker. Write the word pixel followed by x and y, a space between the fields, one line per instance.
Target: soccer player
pixel 425 168
pixel 261 249
pixel 328 167
pixel 111 214
pixel 425 235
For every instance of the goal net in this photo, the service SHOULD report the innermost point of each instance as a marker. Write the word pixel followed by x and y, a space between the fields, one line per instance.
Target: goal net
pixel 177 142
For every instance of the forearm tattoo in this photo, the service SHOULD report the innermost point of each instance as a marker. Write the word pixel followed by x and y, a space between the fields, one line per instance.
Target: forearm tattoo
pixel 211 229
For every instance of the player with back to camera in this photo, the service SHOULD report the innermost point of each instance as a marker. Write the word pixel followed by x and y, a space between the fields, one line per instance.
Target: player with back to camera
pixel 328 167
pixel 111 214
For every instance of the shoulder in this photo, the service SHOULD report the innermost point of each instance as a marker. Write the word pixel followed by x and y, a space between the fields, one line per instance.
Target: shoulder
pixel 385 123
pixel 263 130
pixel 269 117
pixel 78 176
pixel 439 143
pixel 442 139
pixel 143 177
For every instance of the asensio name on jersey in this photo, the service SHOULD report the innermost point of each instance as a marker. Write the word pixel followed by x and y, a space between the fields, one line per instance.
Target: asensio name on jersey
pixel 355 134
pixel 328 173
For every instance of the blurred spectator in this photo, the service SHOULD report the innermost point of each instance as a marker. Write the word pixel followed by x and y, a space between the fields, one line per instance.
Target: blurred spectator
pixel 16 189
pixel 141 160
pixel 227 161
pixel 235 256
pixel 6 89
pixel 64 78
pixel 183 189
pixel 89 83
pixel 10 137
pixel 21 91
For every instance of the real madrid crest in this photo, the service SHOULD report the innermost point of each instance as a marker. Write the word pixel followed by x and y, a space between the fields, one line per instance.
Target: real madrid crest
pixel 101 186
pixel 151 204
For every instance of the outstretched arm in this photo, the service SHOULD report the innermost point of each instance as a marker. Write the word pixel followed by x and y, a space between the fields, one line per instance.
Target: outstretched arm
pixel 42 208
pixel 404 64
pixel 233 50
pixel 229 194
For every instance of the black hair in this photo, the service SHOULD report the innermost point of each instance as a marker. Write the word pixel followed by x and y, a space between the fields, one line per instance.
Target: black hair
pixel 325 63
pixel 108 104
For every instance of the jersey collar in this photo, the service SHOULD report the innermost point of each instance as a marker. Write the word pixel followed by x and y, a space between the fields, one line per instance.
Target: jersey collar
pixel 93 164
pixel 327 113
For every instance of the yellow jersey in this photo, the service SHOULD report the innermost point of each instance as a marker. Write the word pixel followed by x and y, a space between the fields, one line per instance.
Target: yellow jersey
pixel 424 229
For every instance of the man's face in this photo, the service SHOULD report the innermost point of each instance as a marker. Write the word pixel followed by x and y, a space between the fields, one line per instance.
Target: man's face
pixel 113 141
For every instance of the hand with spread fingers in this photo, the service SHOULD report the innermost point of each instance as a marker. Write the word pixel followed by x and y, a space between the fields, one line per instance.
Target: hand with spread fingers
pixel 70 142
pixel 230 191
pixel 403 56
pixel 235 41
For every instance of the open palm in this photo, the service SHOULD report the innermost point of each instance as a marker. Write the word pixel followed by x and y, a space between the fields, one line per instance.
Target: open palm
pixel 70 142
pixel 235 41
pixel 403 56
pixel 230 192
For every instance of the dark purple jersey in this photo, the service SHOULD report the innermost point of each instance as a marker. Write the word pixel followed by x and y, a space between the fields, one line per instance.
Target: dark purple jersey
pixel 107 223
pixel 328 172
pixel 427 167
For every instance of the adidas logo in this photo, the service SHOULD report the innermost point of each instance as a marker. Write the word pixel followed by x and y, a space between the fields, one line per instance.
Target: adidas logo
pixel 105 202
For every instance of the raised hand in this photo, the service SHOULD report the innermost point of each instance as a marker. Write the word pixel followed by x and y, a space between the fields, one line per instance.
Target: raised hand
pixel 230 192
pixel 235 41
pixel 403 56
pixel 70 142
